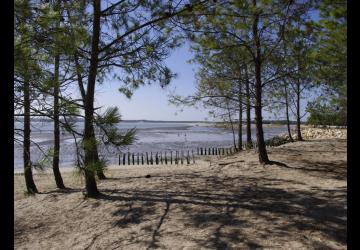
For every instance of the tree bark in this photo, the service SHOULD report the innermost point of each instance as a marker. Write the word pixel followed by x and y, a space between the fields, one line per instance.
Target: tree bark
pixel 240 120
pixel 56 171
pixel 29 181
pixel 90 143
pixel 263 156
pixel 287 112
pixel 231 123
pixel 248 111
pixel 298 117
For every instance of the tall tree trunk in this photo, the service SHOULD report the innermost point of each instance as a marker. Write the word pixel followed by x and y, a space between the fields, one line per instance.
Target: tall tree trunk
pixel 29 181
pixel 248 111
pixel 89 138
pixel 100 172
pixel 56 171
pixel 298 128
pixel 287 112
pixel 263 156
pixel 240 119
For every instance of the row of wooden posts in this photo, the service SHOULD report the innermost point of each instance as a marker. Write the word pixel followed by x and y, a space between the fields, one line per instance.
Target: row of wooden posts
pixel 177 157
pixel 158 158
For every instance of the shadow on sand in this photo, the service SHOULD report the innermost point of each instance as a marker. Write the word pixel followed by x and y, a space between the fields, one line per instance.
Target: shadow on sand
pixel 220 212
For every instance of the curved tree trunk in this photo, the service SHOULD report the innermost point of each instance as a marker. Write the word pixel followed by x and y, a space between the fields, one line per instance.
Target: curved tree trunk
pixel 56 170
pixel 29 181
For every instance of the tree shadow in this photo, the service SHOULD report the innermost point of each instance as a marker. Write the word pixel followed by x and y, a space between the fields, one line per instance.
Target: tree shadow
pixel 156 233
pixel 312 210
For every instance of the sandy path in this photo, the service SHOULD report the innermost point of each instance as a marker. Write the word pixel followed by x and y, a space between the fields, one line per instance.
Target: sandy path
pixel 298 205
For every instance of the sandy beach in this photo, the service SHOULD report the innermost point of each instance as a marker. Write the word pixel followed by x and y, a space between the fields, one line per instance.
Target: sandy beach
pixel 226 203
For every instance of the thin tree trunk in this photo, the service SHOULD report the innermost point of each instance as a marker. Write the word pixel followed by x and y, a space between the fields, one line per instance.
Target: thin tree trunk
pixel 29 181
pixel 240 120
pixel 298 128
pixel 231 123
pixel 56 171
pixel 89 140
pixel 287 112
pixel 248 111
pixel 263 156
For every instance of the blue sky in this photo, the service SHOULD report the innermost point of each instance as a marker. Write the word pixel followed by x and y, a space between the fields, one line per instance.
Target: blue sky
pixel 150 102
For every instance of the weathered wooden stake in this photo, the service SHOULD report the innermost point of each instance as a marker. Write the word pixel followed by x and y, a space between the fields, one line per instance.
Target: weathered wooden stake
pixel 181 157
pixel 142 158
pixel 138 159
pixel 165 158
pixel 124 155
pixel 147 158
pixel 170 157
pixel 128 158
pixel 151 159
pixel 156 159
pixel 133 159
pixel 119 159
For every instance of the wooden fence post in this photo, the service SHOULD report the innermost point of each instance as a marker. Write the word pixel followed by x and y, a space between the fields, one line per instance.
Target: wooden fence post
pixel 181 157
pixel 124 158
pixel 151 159
pixel 165 158
pixel 142 158
pixel 147 158
pixel 138 159
pixel 119 159
pixel 133 159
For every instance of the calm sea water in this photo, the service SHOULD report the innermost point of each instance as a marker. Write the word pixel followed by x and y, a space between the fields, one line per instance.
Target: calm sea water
pixel 151 137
